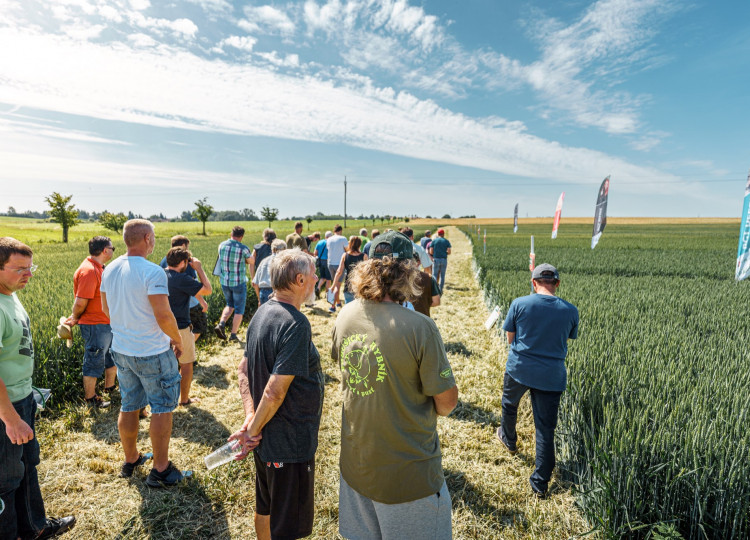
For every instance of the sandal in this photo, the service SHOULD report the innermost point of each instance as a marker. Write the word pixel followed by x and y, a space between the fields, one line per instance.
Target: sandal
pixel 190 401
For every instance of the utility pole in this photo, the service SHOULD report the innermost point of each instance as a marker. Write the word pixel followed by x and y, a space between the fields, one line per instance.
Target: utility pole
pixel 345 202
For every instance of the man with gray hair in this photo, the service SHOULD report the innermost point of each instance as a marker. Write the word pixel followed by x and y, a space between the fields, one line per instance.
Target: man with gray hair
pixel 281 385
pixel 146 344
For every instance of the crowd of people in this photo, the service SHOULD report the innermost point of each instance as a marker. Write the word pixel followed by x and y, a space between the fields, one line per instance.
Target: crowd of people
pixel 140 321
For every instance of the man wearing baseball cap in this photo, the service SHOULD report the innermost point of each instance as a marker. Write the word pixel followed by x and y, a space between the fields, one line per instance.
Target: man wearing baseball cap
pixel 538 326
pixel 396 381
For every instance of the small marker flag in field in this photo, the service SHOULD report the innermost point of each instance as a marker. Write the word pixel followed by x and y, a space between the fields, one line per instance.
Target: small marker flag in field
pixel 515 218
pixel 558 213
pixel 485 241
pixel 743 249
pixel 600 215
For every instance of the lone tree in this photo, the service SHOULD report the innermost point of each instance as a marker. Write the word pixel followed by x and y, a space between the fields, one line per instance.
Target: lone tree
pixel 269 214
pixel 203 211
pixel 309 220
pixel 113 222
pixel 61 212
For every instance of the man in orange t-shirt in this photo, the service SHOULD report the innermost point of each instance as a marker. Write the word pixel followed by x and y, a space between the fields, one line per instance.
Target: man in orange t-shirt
pixel 94 324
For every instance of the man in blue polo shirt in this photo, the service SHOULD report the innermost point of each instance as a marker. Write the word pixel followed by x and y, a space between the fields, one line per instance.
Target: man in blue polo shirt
pixel 538 326
pixel 440 248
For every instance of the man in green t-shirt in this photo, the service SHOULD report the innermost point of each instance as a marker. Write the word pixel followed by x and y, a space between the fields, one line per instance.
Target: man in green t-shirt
pixel 19 449
pixel 396 380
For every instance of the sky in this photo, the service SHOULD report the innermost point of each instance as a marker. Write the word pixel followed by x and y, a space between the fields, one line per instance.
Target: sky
pixel 424 108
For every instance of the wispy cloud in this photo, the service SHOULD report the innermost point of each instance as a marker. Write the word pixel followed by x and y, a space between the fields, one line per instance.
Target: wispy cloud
pixel 266 19
pixel 169 87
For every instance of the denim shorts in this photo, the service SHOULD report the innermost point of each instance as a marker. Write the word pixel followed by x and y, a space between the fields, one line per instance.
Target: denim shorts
pixel 349 297
pixel 148 380
pixel 332 269
pixel 96 356
pixel 264 293
pixel 236 297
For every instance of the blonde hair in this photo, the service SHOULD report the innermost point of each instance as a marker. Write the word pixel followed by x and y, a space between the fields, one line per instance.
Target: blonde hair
pixel 373 279
pixel 135 229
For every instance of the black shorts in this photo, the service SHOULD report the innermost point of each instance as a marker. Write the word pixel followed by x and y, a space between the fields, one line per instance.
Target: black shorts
pixel 198 320
pixel 324 273
pixel 285 491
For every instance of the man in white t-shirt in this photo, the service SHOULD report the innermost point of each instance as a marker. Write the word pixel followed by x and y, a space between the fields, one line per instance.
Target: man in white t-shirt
pixel 336 245
pixel 145 346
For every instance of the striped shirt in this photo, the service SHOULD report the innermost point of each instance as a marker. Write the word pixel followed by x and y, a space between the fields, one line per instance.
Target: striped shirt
pixel 232 256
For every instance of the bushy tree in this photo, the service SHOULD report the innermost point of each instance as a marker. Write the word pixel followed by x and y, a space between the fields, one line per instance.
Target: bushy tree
pixel 113 222
pixel 269 214
pixel 203 211
pixel 309 220
pixel 61 212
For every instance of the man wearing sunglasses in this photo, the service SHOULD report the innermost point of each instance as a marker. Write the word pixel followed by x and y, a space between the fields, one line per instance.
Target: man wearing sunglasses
pixel 94 324
pixel 24 514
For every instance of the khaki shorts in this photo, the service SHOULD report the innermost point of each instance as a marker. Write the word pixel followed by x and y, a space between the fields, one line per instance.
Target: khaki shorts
pixel 188 346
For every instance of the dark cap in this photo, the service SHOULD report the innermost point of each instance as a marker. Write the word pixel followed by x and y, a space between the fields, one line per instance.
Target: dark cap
pixel 391 244
pixel 545 271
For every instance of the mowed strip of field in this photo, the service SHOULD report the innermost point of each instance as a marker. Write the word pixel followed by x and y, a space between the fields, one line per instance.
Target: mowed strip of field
pixel 81 454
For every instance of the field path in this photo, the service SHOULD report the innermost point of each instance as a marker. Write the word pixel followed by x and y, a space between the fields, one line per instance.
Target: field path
pixel 81 454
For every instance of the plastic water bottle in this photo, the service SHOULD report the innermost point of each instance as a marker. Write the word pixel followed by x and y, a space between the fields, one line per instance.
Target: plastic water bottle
pixel 223 455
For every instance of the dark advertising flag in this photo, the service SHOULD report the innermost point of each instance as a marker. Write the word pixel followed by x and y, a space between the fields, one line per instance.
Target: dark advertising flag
pixel 600 215
pixel 515 218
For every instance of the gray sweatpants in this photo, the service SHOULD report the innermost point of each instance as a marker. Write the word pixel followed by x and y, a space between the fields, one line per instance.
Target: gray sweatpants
pixel 361 518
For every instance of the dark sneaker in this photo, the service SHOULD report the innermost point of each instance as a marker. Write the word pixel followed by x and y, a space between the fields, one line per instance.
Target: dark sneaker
pixel 97 402
pixel 233 338
pixel 541 495
pixel 170 476
pixel 332 309
pixel 219 331
pixel 511 449
pixel 56 527
pixel 129 468
pixel 109 390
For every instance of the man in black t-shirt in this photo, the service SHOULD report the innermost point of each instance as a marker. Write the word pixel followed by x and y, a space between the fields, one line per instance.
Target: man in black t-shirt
pixel 281 385
pixel 181 288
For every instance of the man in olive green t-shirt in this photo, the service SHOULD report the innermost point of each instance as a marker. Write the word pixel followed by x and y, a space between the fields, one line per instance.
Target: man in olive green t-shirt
pixel 396 380
pixel 19 449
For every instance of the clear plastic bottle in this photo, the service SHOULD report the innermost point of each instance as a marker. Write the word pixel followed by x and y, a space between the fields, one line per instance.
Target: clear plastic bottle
pixel 223 455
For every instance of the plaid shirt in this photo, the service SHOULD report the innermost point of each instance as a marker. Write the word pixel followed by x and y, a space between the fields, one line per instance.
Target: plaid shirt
pixel 232 255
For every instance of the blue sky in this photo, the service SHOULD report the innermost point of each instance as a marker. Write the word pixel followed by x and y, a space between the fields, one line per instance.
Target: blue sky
pixel 457 107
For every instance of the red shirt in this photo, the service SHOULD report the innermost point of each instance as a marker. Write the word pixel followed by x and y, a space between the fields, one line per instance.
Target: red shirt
pixel 86 283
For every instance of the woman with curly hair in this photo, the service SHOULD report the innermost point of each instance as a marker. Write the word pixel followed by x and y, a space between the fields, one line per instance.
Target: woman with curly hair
pixel 396 381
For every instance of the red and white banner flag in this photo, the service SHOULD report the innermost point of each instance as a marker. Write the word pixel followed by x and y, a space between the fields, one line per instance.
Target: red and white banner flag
pixel 558 213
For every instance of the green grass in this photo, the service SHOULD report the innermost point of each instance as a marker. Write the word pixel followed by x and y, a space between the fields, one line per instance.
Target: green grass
pixel 653 424
pixel 35 231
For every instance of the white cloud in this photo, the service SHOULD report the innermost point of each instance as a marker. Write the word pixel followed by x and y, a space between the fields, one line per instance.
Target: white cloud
pixel 289 60
pixel 140 5
pixel 171 88
pixel 266 19
pixel 243 43
pixel 213 6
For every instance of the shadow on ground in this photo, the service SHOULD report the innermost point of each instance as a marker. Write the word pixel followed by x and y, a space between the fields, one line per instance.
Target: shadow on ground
pixel 211 375
pixel 464 493
pixel 197 425
pixel 180 512
pixel 456 347
pixel 468 412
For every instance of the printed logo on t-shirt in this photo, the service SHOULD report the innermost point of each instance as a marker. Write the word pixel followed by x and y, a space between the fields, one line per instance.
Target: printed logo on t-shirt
pixel 26 347
pixel 446 373
pixel 362 364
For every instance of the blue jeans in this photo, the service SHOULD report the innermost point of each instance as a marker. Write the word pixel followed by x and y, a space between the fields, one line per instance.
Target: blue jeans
pixel 235 297
pixel 148 380
pixel 349 297
pixel 438 270
pixel 545 406
pixel 264 293
pixel 96 356
pixel 19 485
